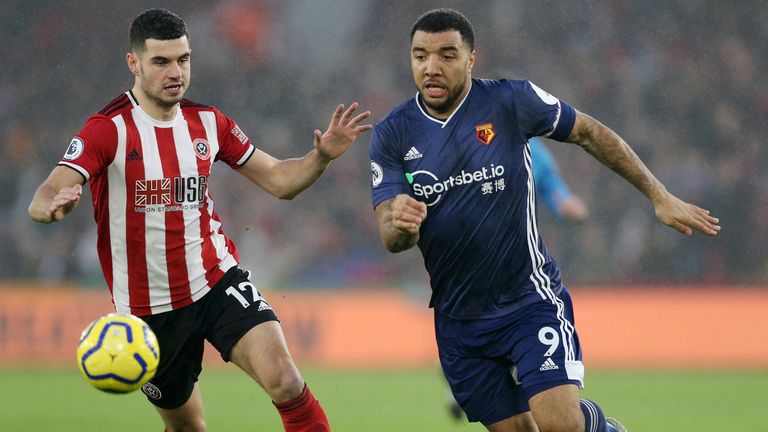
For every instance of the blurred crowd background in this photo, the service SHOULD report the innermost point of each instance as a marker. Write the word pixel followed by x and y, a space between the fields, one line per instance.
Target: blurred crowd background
pixel 683 81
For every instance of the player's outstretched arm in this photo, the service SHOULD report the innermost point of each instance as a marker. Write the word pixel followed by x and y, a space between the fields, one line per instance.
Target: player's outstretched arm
pixel 287 178
pixel 610 149
pixel 57 196
pixel 399 220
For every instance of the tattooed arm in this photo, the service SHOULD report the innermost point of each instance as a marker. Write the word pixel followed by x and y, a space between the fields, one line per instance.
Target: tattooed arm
pixel 612 151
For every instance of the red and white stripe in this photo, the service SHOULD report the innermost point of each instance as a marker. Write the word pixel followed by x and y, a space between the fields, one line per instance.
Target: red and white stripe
pixel 157 261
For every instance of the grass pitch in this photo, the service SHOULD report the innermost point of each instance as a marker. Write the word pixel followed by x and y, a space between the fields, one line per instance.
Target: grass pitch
pixel 373 401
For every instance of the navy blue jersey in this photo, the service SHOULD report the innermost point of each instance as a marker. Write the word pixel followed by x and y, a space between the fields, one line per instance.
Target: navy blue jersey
pixel 479 241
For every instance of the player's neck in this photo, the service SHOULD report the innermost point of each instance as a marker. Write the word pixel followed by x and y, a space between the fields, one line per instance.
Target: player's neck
pixel 152 108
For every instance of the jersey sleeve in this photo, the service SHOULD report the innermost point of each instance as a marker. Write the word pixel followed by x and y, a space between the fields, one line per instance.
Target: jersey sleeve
pixel 234 146
pixel 93 148
pixel 550 186
pixel 540 113
pixel 388 177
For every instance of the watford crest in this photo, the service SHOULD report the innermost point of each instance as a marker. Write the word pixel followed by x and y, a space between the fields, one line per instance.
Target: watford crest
pixel 485 133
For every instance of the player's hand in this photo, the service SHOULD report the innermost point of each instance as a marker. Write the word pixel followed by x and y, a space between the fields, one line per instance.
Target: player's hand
pixel 65 201
pixel 573 209
pixel 341 132
pixel 408 213
pixel 685 217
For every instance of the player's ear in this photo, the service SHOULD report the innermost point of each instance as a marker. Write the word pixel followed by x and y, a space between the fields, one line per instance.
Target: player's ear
pixel 471 61
pixel 133 63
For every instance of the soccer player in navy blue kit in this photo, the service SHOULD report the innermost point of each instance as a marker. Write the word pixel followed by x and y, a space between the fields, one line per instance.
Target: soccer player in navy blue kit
pixel 556 194
pixel 452 174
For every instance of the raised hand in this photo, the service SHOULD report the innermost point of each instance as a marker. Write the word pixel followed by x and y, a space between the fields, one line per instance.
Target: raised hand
pixel 341 132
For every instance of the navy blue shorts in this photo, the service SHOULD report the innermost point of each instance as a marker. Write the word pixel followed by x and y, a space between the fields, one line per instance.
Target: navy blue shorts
pixel 495 366
pixel 223 316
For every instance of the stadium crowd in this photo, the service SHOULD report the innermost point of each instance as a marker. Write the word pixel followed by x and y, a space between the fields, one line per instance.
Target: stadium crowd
pixel 682 81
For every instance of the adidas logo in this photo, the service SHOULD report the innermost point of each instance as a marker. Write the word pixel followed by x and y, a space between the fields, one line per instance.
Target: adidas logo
pixel 548 365
pixel 133 155
pixel 413 154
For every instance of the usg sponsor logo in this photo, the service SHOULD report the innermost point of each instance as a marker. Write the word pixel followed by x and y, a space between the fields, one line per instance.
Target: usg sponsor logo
pixel 428 186
pixel 167 195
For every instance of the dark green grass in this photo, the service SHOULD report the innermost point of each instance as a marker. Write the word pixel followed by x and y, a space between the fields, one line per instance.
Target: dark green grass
pixel 396 400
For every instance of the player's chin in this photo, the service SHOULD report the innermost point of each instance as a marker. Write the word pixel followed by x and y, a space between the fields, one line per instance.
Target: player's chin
pixel 170 101
pixel 439 105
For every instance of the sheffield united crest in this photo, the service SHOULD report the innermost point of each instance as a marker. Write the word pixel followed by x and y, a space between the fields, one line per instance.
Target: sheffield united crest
pixel 485 133
pixel 202 149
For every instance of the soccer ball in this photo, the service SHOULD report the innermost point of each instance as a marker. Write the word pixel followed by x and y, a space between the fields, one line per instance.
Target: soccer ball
pixel 118 353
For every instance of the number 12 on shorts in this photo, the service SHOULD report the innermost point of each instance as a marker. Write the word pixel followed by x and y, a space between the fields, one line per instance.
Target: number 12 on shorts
pixel 247 287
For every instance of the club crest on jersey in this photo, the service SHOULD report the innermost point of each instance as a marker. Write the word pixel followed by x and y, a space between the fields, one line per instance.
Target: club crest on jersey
pixel 75 149
pixel 202 149
pixel 151 390
pixel 485 133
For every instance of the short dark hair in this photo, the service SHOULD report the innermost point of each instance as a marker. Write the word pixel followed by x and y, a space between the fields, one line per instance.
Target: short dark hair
pixel 440 20
pixel 160 24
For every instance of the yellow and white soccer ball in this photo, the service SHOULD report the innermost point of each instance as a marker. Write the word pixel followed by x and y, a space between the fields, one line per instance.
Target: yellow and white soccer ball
pixel 118 353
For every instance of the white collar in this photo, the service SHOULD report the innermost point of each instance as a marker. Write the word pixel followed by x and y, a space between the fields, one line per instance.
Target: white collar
pixel 443 122
pixel 149 118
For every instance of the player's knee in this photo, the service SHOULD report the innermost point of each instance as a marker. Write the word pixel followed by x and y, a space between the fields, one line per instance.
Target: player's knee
pixel 284 385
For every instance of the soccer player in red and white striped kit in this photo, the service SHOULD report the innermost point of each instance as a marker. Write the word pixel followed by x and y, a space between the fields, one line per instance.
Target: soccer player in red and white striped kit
pixel 147 155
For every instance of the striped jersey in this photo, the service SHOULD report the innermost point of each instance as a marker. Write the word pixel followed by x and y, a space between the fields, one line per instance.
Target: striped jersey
pixel 160 242
pixel 480 243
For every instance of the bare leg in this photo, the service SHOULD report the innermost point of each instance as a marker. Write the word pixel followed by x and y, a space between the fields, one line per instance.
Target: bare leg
pixel 519 423
pixel 263 354
pixel 186 418
pixel 558 409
